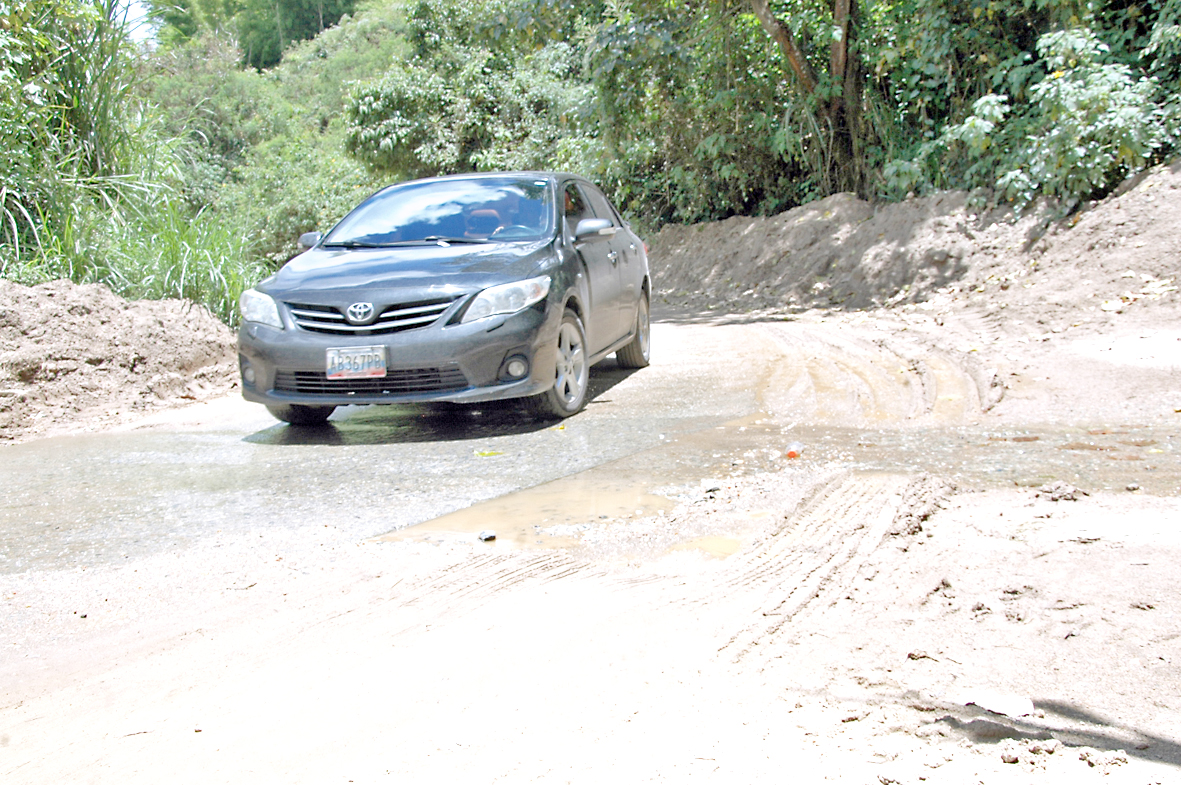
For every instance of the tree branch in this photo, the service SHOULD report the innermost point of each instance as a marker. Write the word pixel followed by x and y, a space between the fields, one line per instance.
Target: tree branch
pixel 781 34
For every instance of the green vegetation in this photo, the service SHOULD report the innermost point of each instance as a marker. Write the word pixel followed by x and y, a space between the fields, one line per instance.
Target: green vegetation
pixel 468 100
pixel 1082 122
pixel 188 168
pixel 90 180
pixel 264 28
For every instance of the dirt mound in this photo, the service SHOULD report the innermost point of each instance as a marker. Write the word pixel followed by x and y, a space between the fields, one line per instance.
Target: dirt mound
pixel 72 355
pixel 838 251
pixel 847 253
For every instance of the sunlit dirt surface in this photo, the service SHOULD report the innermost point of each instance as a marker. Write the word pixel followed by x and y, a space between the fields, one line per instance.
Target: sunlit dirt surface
pixel 667 598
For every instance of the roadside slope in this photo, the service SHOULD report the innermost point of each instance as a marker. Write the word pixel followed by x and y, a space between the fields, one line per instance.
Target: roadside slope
pixel 844 253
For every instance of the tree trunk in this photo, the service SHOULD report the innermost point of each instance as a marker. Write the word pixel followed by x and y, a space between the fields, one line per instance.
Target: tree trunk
pixel 840 114
pixel 845 105
pixel 279 26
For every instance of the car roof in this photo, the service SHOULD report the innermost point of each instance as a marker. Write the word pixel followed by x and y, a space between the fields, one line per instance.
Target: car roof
pixel 524 174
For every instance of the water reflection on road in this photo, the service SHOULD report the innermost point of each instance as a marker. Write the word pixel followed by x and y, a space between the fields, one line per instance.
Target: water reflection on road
pixel 106 499
pixel 112 498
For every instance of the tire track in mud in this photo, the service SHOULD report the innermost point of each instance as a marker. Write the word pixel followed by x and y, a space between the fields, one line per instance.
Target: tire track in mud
pixel 763 595
pixel 469 583
pixel 831 374
pixel 811 560
pixel 825 373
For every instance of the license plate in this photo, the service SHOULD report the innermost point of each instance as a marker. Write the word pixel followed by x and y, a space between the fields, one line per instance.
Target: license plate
pixel 359 362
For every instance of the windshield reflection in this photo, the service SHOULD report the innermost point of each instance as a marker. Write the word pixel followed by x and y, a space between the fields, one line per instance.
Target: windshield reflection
pixel 507 209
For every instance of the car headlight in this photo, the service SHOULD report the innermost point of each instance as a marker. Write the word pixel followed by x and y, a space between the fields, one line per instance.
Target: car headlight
pixel 507 298
pixel 258 307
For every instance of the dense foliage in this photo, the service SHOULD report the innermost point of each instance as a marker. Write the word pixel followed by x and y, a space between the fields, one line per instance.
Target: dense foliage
pixel 1067 117
pixel 64 76
pixel 88 176
pixel 188 167
pixel 464 101
pixel 264 27
pixel 267 27
pixel 692 112
pixel 1082 128
pixel 696 114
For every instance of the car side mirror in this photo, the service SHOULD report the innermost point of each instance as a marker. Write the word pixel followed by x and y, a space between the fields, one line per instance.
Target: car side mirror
pixel 308 240
pixel 592 230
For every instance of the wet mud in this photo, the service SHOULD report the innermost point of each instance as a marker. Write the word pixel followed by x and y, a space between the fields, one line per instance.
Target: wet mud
pixel 1124 459
pixel 646 442
pixel 661 545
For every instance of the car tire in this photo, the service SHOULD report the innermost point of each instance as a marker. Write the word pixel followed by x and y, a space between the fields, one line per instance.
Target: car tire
pixel 572 373
pixel 297 414
pixel 637 353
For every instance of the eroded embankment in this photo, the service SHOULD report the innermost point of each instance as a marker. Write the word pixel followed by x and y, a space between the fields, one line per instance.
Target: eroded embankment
pixel 846 253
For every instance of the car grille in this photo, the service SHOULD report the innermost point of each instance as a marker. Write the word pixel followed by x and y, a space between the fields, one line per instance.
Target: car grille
pixel 395 382
pixel 393 319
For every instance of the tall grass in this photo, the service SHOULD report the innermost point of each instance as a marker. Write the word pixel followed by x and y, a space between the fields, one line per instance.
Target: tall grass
pixel 168 253
pixel 150 251
pixel 87 180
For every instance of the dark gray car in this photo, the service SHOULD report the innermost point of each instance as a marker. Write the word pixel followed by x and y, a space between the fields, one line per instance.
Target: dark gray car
pixel 467 288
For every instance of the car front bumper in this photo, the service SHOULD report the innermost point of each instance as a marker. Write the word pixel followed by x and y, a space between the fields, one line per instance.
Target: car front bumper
pixel 439 362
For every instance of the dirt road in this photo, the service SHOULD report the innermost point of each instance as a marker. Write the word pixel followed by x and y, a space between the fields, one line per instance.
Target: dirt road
pixel 669 597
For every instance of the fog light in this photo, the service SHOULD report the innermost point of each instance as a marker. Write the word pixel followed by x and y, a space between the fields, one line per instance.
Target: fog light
pixel 248 373
pixel 513 368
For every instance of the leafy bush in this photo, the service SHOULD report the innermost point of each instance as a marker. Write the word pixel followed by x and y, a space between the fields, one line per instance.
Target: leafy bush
pixel 1092 123
pixel 294 185
pixel 471 108
pixel 1083 128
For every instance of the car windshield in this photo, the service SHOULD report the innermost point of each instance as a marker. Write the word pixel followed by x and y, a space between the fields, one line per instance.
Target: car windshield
pixel 509 209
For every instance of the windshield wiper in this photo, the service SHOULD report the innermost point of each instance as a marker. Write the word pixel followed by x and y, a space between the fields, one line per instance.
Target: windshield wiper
pixel 446 241
pixel 440 241
pixel 355 244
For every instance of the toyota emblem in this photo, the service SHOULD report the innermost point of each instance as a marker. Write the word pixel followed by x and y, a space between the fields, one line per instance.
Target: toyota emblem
pixel 359 313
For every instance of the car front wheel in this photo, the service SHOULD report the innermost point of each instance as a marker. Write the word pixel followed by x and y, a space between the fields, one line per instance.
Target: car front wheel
pixel 297 414
pixel 568 395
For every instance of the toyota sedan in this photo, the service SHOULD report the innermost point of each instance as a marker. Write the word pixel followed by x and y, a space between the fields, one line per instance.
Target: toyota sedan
pixel 467 289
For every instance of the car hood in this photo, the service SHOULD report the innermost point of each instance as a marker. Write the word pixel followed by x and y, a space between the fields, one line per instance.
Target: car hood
pixel 332 275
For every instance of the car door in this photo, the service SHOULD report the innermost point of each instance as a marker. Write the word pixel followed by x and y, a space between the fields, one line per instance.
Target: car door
pixel 602 268
pixel 625 254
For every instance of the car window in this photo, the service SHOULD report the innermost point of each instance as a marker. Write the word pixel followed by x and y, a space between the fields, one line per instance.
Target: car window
pixel 476 209
pixel 574 207
pixel 601 206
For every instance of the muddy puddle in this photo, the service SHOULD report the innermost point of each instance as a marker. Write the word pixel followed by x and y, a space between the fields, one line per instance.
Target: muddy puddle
pixel 1096 459
pixel 553 514
pixel 556 514
pixel 537 515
